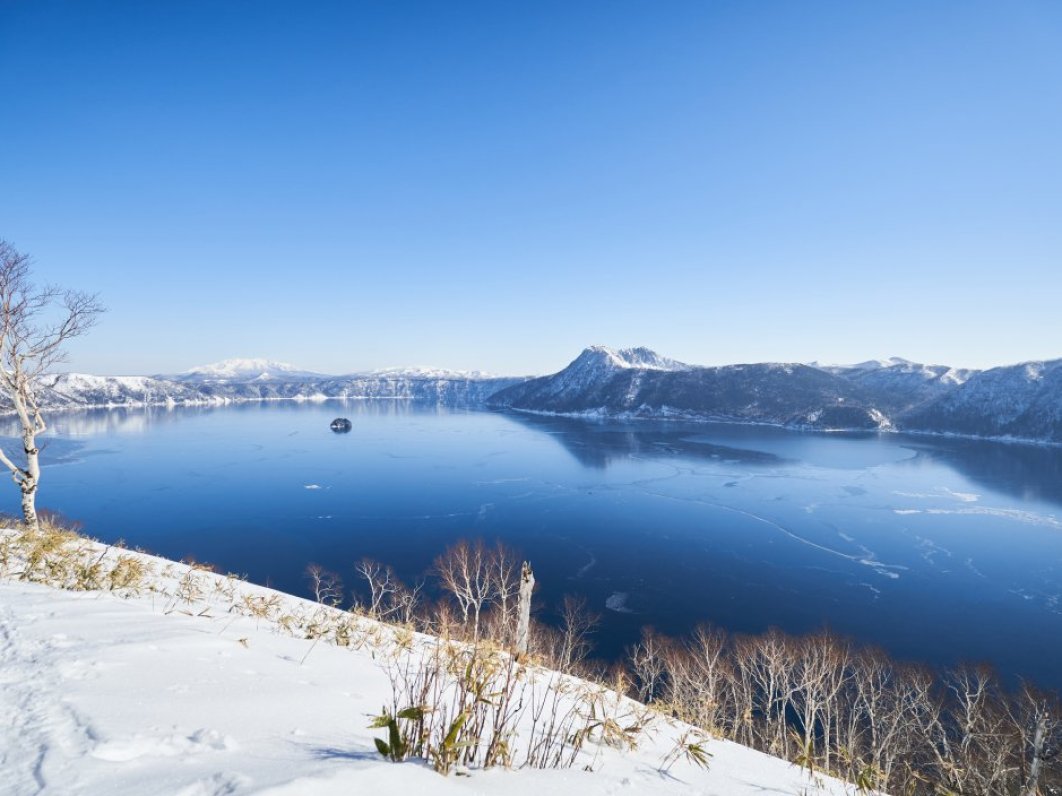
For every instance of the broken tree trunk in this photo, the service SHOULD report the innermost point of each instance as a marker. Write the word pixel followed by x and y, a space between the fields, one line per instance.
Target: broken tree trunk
pixel 523 627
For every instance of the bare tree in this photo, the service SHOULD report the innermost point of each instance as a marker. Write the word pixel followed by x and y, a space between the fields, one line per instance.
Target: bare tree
pixel 327 586
pixel 506 583
pixel 1038 719
pixel 35 323
pixel 479 578
pixel 772 663
pixel 698 676
pixel 819 675
pixel 465 573
pixel 390 600
pixel 649 664
pixel 577 624
pixel 974 739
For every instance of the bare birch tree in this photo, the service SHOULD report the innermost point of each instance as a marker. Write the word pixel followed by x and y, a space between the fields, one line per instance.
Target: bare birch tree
pixel 577 624
pixel 327 586
pixel 465 572
pixel 390 599
pixel 35 323
pixel 698 676
pixel 647 661
pixel 479 578
pixel 1038 719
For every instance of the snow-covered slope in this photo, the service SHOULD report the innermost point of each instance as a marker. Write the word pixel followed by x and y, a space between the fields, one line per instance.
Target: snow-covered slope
pixel 441 388
pixel 899 365
pixel 870 364
pixel 69 390
pixel 158 694
pixel 641 358
pixel 425 373
pixel 251 370
pixel 1022 401
pixel 898 385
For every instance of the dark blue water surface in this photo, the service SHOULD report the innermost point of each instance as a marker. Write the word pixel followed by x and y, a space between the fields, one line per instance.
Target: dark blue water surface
pixel 938 550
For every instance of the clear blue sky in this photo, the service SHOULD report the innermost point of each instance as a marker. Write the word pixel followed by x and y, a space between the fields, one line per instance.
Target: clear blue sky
pixel 496 185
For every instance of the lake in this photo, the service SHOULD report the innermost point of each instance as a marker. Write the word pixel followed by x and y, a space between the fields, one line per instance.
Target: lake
pixel 936 549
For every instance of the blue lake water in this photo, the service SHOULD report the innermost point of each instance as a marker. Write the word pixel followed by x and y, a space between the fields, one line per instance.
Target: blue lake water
pixel 937 550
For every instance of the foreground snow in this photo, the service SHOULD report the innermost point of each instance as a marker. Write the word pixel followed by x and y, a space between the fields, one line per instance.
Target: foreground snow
pixel 149 694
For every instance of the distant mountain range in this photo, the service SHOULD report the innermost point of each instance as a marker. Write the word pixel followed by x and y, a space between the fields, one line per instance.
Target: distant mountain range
pixel 246 370
pixel 241 380
pixel 1019 402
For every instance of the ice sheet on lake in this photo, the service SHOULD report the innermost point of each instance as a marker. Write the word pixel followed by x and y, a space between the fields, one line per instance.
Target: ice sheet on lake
pixel 617 601
pixel 942 492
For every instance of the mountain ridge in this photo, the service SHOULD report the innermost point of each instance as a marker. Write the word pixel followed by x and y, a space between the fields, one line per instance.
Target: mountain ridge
pixel 1019 402
pixel 237 369
pixel 1022 401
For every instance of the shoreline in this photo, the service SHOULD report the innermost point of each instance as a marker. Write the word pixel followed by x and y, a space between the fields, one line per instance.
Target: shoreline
pixel 589 415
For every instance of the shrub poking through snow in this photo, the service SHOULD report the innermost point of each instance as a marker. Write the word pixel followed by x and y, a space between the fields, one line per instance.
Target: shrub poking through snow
pixel 55 555
pixel 480 706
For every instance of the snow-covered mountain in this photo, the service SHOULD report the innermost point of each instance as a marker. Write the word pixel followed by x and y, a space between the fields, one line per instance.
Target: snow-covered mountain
pixel 603 381
pixel 577 387
pixel 421 372
pixel 71 390
pixel 249 370
pixel 641 358
pixel 898 384
pixel 870 364
pixel 899 365
pixel 234 384
pixel 246 370
pixel 1022 401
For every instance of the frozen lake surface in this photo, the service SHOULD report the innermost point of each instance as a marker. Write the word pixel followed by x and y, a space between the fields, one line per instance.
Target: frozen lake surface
pixel 935 549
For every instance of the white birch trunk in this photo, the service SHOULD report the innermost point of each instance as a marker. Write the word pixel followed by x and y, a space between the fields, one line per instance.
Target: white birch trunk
pixel 31 342
pixel 523 628
pixel 32 474
pixel 28 476
pixel 1032 786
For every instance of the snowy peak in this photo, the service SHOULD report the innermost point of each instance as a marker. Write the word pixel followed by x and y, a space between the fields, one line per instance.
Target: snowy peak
pixel 246 370
pixel 1034 371
pixel 878 364
pixel 870 364
pixel 441 374
pixel 267 370
pixel 638 382
pixel 612 359
pixel 877 370
pixel 592 373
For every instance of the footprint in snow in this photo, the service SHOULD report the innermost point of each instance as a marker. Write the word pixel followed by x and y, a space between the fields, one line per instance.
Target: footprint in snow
pixel 217 785
pixel 137 746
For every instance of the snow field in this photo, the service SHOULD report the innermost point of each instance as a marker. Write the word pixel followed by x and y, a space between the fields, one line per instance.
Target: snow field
pixel 167 679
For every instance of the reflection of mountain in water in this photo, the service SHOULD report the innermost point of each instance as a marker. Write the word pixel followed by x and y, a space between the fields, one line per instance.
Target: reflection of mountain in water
pixel 1028 472
pixel 597 445
pixel 139 420
pixel 53 451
